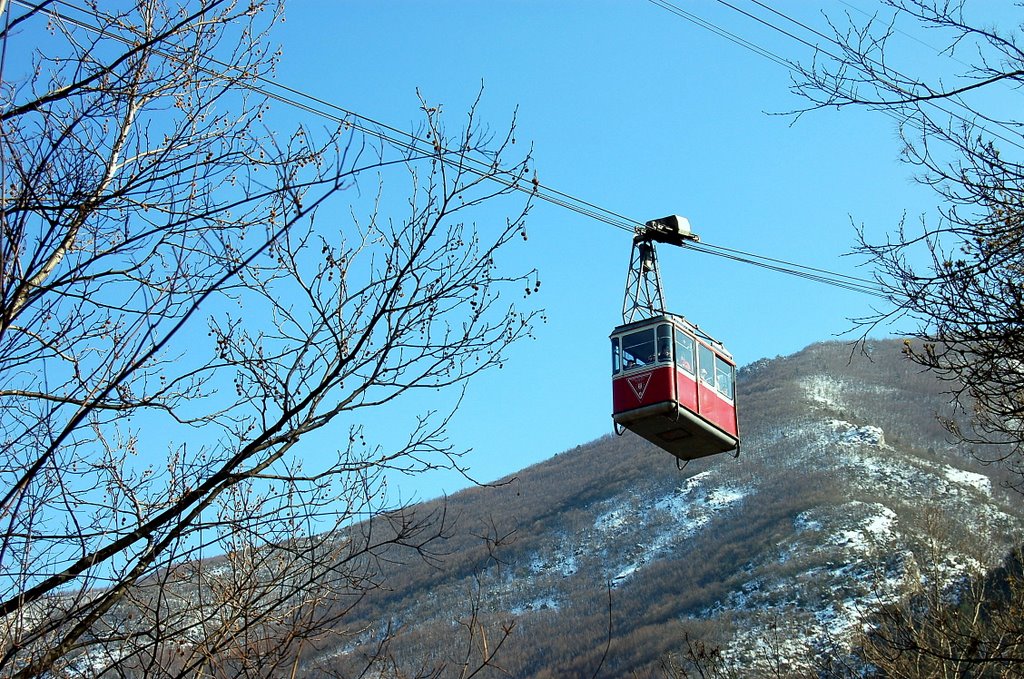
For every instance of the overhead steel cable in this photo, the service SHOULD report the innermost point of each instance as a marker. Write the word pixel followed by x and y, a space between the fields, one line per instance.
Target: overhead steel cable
pixel 852 280
pixel 948 94
pixel 932 98
pixel 718 30
pixel 753 47
pixel 814 274
pixel 327 110
pixel 400 139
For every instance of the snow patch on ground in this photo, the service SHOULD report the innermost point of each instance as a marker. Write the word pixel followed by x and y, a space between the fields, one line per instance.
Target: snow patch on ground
pixel 97 660
pixel 824 390
pixel 625 573
pixel 842 561
pixel 725 496
pixel 781 650
pixel 670 519
pixel 804 522
pixel 543 603
pixel 612 520
pixel 557 563
pixel 217 570
pixel 695 481
pixel 850 434
pixel 875 526
pixel 970 479
pixel 822 435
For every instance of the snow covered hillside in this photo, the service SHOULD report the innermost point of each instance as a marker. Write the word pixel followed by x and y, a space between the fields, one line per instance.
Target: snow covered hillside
pixel 846 496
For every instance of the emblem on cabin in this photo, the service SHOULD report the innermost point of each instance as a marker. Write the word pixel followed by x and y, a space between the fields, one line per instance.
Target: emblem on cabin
pixel 639 383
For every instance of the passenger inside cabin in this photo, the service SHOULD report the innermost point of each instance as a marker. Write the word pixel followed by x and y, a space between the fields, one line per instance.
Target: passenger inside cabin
pixel 684 352
pixel 664 350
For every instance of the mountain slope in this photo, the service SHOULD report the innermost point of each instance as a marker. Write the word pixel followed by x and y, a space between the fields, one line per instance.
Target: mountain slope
pixel 845 496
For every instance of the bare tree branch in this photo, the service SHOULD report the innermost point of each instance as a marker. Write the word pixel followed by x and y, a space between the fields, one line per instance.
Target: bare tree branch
pixel 181 306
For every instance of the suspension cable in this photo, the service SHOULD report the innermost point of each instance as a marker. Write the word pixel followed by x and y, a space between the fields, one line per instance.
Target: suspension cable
pixel 409 142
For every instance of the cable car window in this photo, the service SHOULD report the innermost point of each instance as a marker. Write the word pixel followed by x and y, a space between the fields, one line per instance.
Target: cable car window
pixel 664 342
pixel 616 356
pixel 723 373
pixel 706 364
pixel 638 348
pixel 684 352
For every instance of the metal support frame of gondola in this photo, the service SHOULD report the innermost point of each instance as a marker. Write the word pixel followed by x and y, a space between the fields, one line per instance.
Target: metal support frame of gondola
pixel 644 293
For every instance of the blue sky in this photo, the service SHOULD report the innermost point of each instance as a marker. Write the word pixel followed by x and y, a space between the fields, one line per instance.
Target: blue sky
pixel 644 113
pixel 639 111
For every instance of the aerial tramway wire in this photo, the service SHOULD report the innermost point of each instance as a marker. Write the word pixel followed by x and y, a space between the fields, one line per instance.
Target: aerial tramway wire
pixel 814 274
pixel 721 32
pixel 792 66
pixel 409 142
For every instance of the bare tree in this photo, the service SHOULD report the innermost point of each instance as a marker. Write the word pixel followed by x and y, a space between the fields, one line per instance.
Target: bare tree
pixel 699 660
pixel 968 625
pixel 957 278
pixel 180 306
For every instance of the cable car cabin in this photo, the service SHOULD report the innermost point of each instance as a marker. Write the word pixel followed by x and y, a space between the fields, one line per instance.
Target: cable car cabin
pixel 674 386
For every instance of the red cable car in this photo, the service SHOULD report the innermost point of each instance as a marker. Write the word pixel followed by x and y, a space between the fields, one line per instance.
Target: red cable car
pixel 672 384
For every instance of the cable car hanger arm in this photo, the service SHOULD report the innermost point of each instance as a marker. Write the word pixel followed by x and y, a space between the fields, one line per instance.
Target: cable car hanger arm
pixel 644 294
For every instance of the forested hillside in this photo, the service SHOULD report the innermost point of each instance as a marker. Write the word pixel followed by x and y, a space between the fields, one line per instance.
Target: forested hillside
pixel 607 560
